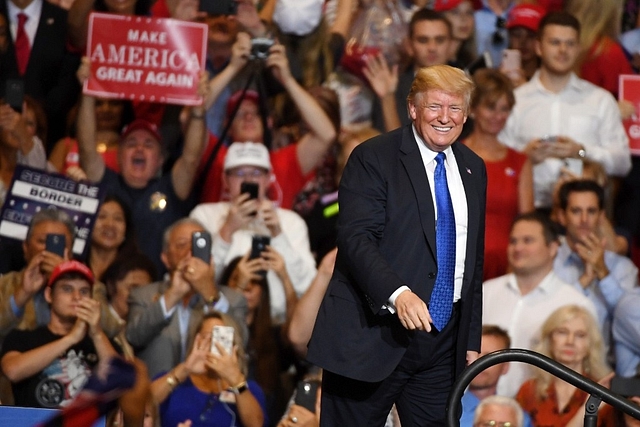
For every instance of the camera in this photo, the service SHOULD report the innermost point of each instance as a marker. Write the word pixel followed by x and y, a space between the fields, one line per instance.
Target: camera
pixel 260 48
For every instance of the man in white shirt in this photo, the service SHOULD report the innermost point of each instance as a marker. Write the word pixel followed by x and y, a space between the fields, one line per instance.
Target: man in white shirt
pixel 559 119
pixel 521 301
pixel 233 224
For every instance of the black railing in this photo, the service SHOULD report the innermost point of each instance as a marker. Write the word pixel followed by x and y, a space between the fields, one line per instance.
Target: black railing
pixel 597 392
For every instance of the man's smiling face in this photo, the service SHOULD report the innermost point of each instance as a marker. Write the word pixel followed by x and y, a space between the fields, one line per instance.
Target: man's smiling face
pixel 438 117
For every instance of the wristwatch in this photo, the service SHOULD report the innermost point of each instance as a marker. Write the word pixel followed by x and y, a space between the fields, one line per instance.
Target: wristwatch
pixel 582 153
pixel 240 388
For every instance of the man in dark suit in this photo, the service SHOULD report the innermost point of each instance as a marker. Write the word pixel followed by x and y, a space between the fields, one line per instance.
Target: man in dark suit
pixel 402 316
pixel 49 73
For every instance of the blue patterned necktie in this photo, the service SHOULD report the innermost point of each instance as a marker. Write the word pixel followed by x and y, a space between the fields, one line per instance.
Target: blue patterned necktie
pixel 441 303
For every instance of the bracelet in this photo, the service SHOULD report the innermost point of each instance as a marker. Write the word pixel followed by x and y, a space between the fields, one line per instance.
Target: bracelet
pixel 196 116
pixel 172 381
pixel 213 299
pixel 240 388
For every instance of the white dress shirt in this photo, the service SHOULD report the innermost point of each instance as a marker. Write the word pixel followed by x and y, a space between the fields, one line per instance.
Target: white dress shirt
pixel 582 111
pixel 523 315
pixel 33 11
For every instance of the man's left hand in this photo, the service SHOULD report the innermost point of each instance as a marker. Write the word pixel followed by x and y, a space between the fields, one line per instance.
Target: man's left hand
pixel 565 147
pixel 591 251
pixel 270 217
pixel 199 274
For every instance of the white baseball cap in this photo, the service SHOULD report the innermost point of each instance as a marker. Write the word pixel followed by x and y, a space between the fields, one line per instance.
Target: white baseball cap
pixel 247 154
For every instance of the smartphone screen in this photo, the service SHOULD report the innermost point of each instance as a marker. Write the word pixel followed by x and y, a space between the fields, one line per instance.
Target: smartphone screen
pixel 219 7
pixel 222 335
pixel 55 243
pixel 201 245
pixel 14 94
pixel 250 188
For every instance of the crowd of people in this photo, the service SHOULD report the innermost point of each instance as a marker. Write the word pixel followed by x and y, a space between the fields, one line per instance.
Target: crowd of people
pixel 214 247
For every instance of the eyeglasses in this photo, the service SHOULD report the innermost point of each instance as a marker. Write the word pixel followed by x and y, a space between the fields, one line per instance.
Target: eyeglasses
pixel 498 36
pixel 247 173
pixel 493 423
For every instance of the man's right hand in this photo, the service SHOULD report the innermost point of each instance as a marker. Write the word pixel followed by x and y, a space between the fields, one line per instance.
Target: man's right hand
pixel 78 331
pixel 33 277
pixel 241 212
pixel 50 261
pixel 538 150
pixel 413 312
pixel 178 288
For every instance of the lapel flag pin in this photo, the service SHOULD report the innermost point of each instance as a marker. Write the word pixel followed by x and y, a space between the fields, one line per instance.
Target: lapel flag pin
pixel 469 171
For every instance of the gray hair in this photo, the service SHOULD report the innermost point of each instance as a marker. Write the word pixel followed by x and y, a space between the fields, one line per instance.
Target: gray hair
pixel 167 232
pixel 500 401
pixel 52 215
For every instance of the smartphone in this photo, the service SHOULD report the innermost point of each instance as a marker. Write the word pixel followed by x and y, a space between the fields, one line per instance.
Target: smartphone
pixel 306 394
pixel 511 60
pixel 222 335
pixel 626 386
pixel 258 245
pixel 201 245
pixel 219 7
pixel 574 166
pixel 251 188
pixel 14 94
pixel 55 243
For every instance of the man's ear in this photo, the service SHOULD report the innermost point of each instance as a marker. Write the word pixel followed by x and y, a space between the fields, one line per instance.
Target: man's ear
pixel 538 48
pixel 505 368
pixel 562 219
pixel 413 113
pixel 165 260
pixel 47 294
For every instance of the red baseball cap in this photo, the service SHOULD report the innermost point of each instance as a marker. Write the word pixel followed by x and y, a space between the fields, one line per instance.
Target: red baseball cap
pixel 526 15
pixel 444 5
pixel 250 95
pixel 141 124
pixel 70 267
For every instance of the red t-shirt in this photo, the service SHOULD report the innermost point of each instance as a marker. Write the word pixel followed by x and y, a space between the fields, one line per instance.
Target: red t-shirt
pixel 288 182
pixel 604 70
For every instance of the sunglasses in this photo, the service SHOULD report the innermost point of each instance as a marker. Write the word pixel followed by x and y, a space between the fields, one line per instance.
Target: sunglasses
pixel 498 36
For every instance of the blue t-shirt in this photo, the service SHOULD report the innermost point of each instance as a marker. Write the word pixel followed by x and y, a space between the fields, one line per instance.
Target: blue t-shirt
pixel 187 402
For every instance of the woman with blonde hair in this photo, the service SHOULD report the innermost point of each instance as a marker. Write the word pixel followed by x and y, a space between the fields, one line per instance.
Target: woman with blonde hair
pixel 570 336
pixel 602 59
pixel 211 389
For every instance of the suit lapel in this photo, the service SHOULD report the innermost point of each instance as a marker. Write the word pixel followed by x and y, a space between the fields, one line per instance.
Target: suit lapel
pixel 412 161
pixel 46 25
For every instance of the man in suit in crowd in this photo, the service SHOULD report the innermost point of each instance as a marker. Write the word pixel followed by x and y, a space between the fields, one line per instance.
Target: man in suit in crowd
pixel 164 316
pixel 37 54
pixel 402 314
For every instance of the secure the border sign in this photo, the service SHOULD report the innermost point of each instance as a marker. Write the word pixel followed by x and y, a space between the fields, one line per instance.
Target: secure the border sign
pixel 34 189
pixel 145 59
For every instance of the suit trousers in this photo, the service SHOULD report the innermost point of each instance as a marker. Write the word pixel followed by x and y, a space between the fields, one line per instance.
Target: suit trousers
pixel 419 386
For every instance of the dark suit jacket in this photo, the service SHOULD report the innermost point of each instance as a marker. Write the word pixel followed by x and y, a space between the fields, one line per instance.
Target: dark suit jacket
pixel 51 71
pixel 386 239
pixel 156 340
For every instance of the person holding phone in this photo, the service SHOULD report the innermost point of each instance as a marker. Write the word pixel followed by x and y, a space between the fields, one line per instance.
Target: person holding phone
pixel 233 224
pixel 208 389
pixel 269 351
pixel 163 315
pixel 22 301
pixel 49 365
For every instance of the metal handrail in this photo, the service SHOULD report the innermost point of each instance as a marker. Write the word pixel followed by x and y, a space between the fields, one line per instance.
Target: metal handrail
pixel 598 392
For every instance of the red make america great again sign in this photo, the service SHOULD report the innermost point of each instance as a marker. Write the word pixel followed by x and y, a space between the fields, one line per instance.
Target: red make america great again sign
pixel 145 59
